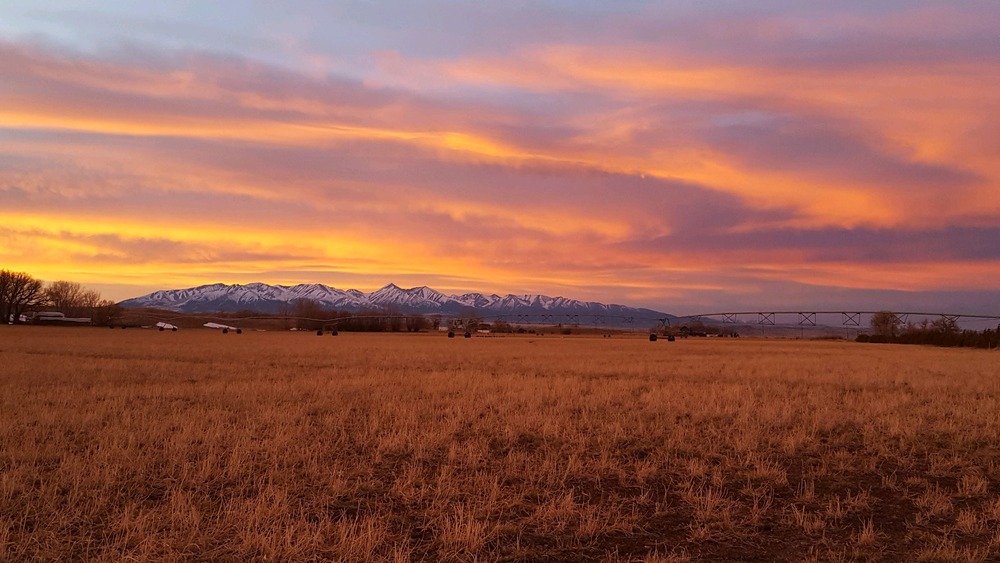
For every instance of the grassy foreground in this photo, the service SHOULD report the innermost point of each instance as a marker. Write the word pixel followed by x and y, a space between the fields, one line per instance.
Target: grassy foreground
pixel 135 445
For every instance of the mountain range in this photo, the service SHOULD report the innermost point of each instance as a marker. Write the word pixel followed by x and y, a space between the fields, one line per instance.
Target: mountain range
pixel 265 298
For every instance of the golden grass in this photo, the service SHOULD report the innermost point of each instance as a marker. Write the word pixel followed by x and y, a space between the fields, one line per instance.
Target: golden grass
pixel 138 445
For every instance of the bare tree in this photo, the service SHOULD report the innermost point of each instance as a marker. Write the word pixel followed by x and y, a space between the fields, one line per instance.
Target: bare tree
pixel 74 299
pixel 416 323
pixel 5 282
pixel 309 314
pixel 885 324
pixel 105 312
pixel 945 325
pixel 19 291
pixel 91 298
pixel 469 317
pixel 64 296
pixel 394 319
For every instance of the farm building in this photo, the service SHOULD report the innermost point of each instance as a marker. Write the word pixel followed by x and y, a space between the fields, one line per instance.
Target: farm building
pixel 52 317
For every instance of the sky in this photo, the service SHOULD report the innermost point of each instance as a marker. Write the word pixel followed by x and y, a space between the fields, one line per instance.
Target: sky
pixel 685 156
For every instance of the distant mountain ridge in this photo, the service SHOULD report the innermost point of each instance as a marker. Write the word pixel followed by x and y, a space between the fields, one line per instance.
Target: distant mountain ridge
pixel 265 298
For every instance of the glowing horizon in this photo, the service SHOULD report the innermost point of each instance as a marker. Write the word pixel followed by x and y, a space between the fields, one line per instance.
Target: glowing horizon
pixel 677 158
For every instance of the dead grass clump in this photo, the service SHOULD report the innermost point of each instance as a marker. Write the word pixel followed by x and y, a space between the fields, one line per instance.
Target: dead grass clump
pixel 805 519
pixel 934 502
pixel 867 535
pixel 973 485
pixel 946 551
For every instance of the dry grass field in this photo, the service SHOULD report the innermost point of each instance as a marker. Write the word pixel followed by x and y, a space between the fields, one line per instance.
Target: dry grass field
pixel 142 445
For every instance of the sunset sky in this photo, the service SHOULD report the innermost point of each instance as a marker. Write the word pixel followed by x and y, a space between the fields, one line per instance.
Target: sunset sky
pixel 685 156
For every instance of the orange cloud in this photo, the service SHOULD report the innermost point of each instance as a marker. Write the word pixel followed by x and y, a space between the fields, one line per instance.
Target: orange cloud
pixel 190 170
pixel 922 113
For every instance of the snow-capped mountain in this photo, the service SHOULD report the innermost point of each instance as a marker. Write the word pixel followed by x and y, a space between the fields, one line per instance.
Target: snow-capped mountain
pixel 265 298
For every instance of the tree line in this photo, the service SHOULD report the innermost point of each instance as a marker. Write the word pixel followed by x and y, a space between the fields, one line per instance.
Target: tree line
pixel 311 315
pixel 21 293
pixel 886 327
pixel 307 314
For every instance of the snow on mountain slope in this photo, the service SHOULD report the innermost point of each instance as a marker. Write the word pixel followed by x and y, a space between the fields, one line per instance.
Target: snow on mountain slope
pixel 416 297
pixel 276 298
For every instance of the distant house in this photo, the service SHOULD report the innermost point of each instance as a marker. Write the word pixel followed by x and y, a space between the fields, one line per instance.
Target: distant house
pixel 53 318
pixel 46 315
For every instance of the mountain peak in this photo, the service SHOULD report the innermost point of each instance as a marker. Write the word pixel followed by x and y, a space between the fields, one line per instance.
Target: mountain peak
pixel 267 298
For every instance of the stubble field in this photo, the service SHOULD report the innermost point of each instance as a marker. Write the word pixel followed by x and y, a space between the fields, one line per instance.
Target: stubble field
pixel 139 445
